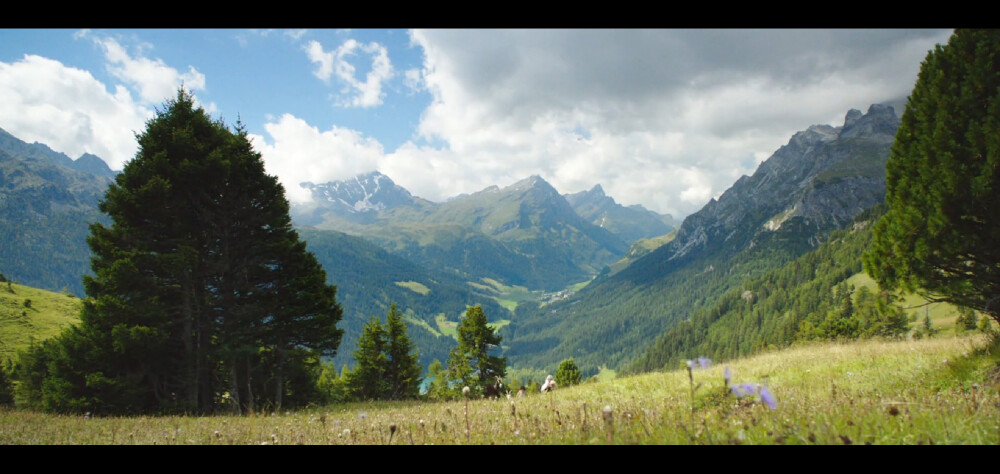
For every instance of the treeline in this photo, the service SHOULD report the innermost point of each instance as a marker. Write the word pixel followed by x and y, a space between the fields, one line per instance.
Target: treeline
pixel 807 299
pixel 387 366
pixel 366 275
pixel 638 302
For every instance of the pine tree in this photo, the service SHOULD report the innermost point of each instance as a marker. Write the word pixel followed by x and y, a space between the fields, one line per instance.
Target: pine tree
pixel 403 369
pixel 200 286
pixel 367 381
pixel 469 363
pixel 943 181
pixel 6 388
pixel 567 373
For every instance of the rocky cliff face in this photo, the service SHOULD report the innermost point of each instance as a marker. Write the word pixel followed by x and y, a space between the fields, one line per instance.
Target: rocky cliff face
pixel 819 181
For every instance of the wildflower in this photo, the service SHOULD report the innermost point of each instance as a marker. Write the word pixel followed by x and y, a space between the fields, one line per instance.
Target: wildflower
pixel 743 389
pixel 767 397
pixel 465 390
pixel 726 375
pixel 704 362
pixel 761 391
pixel 607 413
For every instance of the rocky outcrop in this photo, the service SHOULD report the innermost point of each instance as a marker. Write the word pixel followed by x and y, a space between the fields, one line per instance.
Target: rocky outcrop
pixel 821 179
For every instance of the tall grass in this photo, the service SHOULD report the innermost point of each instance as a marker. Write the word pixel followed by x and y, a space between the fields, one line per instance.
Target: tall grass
pixel 931 391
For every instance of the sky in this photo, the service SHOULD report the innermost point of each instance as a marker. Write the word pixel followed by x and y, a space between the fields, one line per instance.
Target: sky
pixel 667 119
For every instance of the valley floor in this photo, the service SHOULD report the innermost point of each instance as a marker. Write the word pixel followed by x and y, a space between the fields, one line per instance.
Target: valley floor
pixel 942 390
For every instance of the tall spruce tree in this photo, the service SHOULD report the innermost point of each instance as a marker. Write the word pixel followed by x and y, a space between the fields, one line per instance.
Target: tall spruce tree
pixel 470 363
pixel 201 286
pixel 368 381
pixel 403 366
pixel 940 236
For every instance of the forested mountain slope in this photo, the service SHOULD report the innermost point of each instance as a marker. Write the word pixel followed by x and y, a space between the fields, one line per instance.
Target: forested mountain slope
pixel 817 183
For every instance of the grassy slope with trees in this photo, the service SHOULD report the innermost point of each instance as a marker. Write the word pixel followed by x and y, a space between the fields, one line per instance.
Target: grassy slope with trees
pixel 932 391
pixel 32 315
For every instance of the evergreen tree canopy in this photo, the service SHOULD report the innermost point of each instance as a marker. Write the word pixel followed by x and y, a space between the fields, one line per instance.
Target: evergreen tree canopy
pixel 403 369
pixel 368 379
pixel 202 294
pixel 469 363
pixel 940 236
pixel 568 373
pixel 387 366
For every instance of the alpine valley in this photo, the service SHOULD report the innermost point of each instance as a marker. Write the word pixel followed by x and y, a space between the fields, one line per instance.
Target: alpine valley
pixel 562 275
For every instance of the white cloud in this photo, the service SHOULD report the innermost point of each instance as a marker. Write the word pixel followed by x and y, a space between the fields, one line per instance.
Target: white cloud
pixel 296 34
pixel 665 118
pixel 366 93
pixel 412 80
pixel 69 110
pixel 153 79
pixel 298 152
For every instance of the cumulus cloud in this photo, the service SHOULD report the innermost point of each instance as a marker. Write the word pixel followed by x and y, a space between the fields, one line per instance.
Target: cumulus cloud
pixel 366 93
pixel 297 152
pixel 69 110
pixel 666 118
pixel 72 112
pixel 154 80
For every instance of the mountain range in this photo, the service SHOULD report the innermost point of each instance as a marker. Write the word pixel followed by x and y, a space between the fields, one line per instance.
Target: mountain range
pixel 814 184
pixel 524 234
pixel 522 251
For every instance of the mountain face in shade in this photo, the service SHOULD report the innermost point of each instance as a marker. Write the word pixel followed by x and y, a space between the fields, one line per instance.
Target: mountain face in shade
pixel 818 182
pixel 46 206
pixel 88 163
pixel 630 223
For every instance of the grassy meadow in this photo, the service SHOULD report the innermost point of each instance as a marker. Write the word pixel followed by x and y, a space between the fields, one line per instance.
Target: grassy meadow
pixel 28 314
pixel 941 390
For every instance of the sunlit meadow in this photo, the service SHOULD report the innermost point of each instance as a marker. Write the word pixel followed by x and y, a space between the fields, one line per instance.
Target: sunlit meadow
pixel 942 390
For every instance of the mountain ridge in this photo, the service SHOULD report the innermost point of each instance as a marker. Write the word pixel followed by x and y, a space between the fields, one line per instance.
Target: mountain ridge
pixel 787 207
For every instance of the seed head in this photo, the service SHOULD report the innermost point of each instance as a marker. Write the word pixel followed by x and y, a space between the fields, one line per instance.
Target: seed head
pixel 465 390
pixel 607 413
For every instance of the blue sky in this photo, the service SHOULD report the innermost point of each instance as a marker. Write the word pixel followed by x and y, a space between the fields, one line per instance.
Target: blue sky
pixel 663 118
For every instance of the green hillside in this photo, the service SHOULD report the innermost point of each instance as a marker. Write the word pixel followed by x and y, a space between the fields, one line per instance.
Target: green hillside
pixel 28 314
pixel 933 391
pixel 821 295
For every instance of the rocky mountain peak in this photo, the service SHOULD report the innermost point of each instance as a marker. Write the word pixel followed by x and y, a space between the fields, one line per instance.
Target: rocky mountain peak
pixel 852 116
pixel 92 164
pixel 880 122
pixel 823 177
pixel 366 192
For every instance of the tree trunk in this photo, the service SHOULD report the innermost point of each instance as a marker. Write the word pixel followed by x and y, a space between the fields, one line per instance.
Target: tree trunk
pixel 250 404
pixel 279 386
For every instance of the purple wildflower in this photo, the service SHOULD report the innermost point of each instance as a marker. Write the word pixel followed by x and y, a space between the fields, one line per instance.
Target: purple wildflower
pixel 767 397
pixel 704 362
pixel 726 375
pixel 743 389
